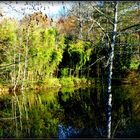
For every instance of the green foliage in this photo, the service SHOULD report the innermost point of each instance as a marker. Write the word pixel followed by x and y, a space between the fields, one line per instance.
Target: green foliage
pixel 135 62
pixel 80 52
pixel 79 81
pixel 124 53
pixel 73 81
pixel 42 47
pixel 67 89
pixel 45 52
pixel 64 72
pixel 7 32
pixel 52 82
pixel 66 82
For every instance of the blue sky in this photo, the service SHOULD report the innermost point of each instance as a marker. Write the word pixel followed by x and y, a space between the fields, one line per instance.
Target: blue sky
pixel 19 9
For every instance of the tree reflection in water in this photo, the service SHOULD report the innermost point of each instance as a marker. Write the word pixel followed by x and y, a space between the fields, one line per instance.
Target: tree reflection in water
pixel 70 113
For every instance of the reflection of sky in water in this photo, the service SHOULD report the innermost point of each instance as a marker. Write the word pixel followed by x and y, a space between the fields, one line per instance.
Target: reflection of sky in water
pixel 20 9
pixel 66 132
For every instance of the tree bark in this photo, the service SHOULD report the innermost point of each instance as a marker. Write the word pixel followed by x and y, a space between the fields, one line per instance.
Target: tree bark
pixel 109 103
pixel 80 22
pixel 18 76
pixel 14 76
pixel 26 61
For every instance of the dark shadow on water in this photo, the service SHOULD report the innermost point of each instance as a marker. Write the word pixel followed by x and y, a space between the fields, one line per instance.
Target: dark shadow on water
pixel 71 113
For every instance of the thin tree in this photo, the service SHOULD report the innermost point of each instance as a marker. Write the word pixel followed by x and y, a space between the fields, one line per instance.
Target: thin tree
pixel 110 66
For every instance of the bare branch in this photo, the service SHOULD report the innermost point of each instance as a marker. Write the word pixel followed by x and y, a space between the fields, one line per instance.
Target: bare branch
pixel 99 59
pixel 132 26
pixel 12 7
pixel 103 14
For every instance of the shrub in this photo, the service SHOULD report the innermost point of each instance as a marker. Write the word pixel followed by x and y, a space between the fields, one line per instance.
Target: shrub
pixel 66 81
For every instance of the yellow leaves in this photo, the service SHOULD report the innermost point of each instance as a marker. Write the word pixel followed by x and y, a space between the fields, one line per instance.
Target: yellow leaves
pixel 8 31
pixel 37 18
pixel 79 45
pixel 66 25
pixel 80 52
pixel 61 42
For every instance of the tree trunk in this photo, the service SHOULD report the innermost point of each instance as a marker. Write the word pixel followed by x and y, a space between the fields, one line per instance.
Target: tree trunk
pixel 25 68
pixel 80 22
pixel 109 103
pixel 18 76
pixel 25 62
pixel 14 76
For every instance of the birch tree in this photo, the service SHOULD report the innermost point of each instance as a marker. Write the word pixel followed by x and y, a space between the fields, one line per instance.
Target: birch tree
pixel 109 104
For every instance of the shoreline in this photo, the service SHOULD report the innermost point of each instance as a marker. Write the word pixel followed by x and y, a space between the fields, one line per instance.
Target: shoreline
pixel 66 82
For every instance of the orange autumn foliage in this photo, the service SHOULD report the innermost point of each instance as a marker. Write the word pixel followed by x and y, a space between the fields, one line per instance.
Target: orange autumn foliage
pixel 67 25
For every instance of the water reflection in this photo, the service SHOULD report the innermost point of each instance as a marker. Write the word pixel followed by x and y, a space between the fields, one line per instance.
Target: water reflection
pixel 67 132
pixel 69 113
pixel 109 115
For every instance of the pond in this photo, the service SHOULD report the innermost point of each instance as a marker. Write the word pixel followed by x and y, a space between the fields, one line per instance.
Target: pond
pixel 70 113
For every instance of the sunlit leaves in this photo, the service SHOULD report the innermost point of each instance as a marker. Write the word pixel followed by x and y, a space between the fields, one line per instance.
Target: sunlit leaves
pixel 48 52
pixel 7 31
pixel 80 52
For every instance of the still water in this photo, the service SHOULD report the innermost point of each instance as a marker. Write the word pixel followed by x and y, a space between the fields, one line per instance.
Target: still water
pixel 70 113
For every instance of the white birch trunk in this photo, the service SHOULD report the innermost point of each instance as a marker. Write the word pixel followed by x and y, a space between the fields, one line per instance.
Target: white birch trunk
pixel 109 104
pixel 26 61
pixel 14 67
pixel 16 82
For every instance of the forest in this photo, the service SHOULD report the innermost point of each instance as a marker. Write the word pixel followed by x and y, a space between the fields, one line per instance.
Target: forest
pixel 89 43
pixel 37 50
